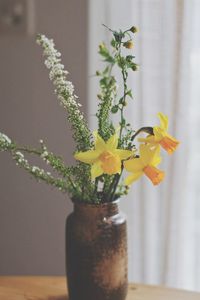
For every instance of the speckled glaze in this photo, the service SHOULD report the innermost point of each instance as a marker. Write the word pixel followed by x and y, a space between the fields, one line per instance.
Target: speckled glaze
pixel 96 252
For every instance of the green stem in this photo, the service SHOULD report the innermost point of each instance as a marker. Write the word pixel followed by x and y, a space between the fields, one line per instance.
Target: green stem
pixel 124 98
pixel 111 188
pixel 116 181
pixel 39 153
pixel 28 150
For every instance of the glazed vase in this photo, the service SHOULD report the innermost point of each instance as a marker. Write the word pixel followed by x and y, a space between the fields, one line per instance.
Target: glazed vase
pixel 96 252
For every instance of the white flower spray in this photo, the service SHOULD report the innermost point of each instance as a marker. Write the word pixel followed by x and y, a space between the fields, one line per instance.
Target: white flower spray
pixel 65 92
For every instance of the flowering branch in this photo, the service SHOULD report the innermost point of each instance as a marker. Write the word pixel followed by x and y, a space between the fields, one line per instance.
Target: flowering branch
pixel 65 92
pixel 64 184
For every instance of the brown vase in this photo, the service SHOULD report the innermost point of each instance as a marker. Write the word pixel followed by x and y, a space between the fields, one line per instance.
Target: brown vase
pixel 96 252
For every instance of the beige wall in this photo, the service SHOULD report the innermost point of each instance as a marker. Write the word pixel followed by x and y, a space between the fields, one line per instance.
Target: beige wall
pixel 32 215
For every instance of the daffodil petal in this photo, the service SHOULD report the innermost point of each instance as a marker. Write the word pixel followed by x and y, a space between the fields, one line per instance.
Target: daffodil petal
pixel 123 154
pixel 133 165
pixel 146 154
pixel 133 177
pixel 99 142
pixel 148 139
pixel 112 142
pixel 156 158
pixel 96 170
pixel 87 157
pixel 163 121
pixel 159 133
pixel 150 155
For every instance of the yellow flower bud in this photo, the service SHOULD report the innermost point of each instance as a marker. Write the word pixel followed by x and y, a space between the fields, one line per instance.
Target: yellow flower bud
pixel 128 44
pixel 135 67
pixel 133 29
pixel 125 103
pixel 102 46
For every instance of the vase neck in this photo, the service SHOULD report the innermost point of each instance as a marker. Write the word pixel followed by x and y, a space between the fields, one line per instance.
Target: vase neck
pixel 96 210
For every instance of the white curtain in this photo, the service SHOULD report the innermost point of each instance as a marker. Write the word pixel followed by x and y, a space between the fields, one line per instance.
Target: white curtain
pixel 163 222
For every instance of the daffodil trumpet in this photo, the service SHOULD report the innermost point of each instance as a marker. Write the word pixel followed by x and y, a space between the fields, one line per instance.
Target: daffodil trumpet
pixel 105 158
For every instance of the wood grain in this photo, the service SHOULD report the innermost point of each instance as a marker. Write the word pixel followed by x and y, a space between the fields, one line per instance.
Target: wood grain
pixel 54 288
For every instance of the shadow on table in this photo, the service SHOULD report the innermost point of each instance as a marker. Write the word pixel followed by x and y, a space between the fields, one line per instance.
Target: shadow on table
pixel 64 297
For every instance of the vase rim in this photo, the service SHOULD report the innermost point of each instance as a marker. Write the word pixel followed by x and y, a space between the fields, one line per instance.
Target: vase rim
pixel 75 201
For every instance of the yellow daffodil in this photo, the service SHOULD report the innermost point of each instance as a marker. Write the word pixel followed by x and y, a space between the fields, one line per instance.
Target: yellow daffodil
pixel 161 137
pixel 145 164
pixel 105 158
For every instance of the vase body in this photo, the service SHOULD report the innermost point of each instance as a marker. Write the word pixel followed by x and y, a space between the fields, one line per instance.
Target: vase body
pixel 96 252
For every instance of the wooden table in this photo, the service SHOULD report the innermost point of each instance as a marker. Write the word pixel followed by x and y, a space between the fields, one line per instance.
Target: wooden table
pixel 54 288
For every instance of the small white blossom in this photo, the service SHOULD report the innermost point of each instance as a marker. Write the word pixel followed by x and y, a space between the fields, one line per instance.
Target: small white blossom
pixel 41 172
pixel 18 153
pixel 20 157
pixel 35 169
pixel 44 154
pixel 4 139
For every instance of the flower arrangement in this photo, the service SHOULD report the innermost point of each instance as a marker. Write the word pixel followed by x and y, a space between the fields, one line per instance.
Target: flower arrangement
pixel 101 157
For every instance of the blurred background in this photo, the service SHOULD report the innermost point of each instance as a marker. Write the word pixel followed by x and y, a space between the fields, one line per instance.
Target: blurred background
pixel 163 222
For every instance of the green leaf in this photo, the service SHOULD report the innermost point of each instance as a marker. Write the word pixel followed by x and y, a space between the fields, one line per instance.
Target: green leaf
pixel 121 100
pixel 113 43
pixel 129 57
pixel 106 70
pixel 121 62
pixel 110 59
pixel 118 36
pixel 129 93
pixel 103 82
